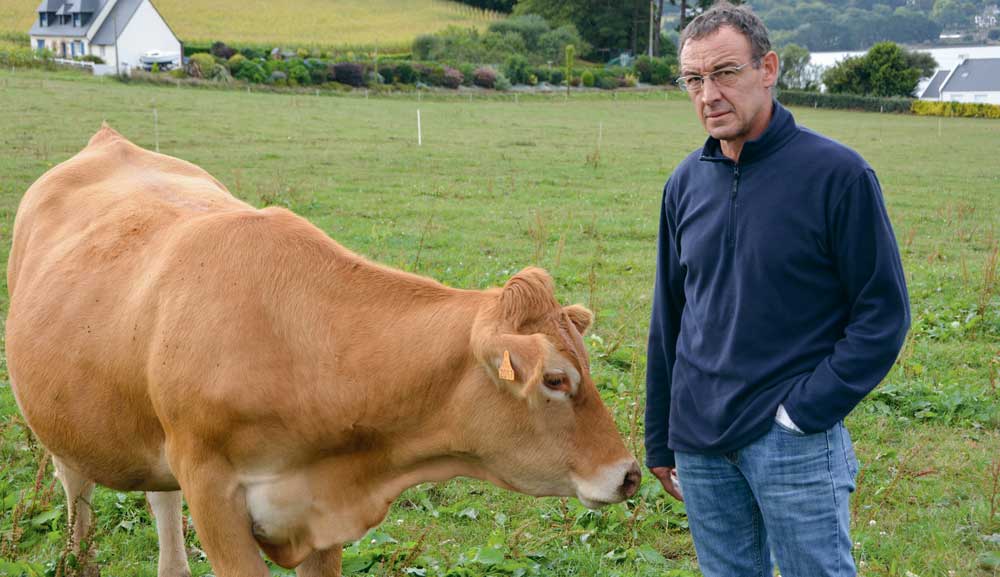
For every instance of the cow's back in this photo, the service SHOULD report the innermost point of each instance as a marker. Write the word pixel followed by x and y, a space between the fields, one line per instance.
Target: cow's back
pixel 89 239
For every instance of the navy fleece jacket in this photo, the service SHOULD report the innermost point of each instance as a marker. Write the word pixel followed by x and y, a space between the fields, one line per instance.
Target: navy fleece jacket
pixel 778 281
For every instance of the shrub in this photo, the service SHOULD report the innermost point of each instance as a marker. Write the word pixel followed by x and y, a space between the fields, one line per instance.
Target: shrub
pixel 428 47
pixel 252 72
pixel 541 74
pixel 963 109
pixel 177 73
pixel 349 73
pixel 485 77
pixel 587 78
pixel 557 77
pixel 200 65
pixel 497 47
pixel 317 70
pixel 253 53
pixel 235 62
pixel 452 78
pixel 92 58
pixel 431 74
pixel 387 70
pixel 220 50
pixel 516 69
pixel 468 73
pixel 607 80
pixel 298 73
pixel 502 83
pixel 405 74
pixel 552 45
pixel 530 27
pixel 845 101
pixel 630 80
pixel 273 66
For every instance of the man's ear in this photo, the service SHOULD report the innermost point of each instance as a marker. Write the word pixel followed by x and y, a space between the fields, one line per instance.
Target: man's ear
pixel 771 65
pixel 525 355
pixel 580 316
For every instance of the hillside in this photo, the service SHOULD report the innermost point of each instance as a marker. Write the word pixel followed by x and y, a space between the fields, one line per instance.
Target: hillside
pixel 385 23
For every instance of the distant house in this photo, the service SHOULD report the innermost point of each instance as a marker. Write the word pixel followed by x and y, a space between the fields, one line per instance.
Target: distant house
pixel 974 80
pixel 933 90
pixel 118 31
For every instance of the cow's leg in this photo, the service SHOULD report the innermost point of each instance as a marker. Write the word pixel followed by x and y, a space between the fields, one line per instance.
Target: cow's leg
pixel 218 506
pixel 167 510
pixel 324 563
pixel 78 492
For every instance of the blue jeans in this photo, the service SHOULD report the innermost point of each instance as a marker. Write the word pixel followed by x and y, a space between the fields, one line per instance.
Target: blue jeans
pixel 784 494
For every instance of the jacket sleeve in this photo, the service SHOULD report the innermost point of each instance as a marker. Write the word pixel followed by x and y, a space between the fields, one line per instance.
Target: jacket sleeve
pixel 664 325
pixel 871 274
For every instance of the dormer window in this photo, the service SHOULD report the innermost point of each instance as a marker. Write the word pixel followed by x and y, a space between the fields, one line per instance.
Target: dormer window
pixel 76 19
pixel 44 19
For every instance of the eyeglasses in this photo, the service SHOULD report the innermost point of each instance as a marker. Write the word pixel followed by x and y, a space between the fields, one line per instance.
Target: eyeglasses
pixel 725 77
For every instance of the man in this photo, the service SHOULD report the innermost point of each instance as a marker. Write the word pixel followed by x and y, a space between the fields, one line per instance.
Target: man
pixel 779 303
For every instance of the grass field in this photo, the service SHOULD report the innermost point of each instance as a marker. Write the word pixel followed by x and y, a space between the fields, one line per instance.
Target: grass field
pixel 389 24
pixel 572 186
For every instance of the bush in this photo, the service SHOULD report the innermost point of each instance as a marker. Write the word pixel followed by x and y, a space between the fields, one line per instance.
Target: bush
pixel 963 109
pixel 405 74
pixel 235 62
pixel 349 73
pixel 317 70
pixel 253 53
pixel 273 66
pixel 92 58
pixel 845 101
pixel 541 74
pixel 298 74
pixel 387 70
pixel 516 69
pixel 556 77
pixel 252 72
pixel 452 78
pixel 177 73
pixel 200 65
pixel 587 78
pixel 428 47
pixel 502 83
pixel 485 77
pixel 530 27
pixel 468 72
pixel 654 70
pixel 552 45
pixel 608 80
pixel 220 50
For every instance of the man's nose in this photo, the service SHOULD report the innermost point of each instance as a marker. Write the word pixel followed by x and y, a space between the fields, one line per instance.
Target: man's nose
pixel 709 90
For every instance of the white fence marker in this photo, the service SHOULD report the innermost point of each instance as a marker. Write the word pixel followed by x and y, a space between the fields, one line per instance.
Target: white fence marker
pixel 420 134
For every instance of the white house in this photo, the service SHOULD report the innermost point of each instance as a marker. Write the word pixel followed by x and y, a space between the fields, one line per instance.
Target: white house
pixel 974 80
pixel 118 31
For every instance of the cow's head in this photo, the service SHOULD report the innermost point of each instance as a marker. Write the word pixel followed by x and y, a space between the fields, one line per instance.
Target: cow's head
pixel 543 430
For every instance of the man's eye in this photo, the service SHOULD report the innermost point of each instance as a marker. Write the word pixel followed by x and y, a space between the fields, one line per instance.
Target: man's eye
pixel 725 73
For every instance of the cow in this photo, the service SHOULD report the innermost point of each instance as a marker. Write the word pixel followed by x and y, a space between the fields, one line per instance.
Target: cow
pixel 164 336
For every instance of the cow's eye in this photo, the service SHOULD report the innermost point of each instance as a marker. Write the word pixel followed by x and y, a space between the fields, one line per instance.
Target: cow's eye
pixel 557 381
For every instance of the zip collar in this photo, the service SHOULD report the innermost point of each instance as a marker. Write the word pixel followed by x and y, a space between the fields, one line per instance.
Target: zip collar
pixel 780 130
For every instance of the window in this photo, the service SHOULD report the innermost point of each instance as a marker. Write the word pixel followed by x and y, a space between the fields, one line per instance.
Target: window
pixel 76 19
pixel 43 19
pixel 40 44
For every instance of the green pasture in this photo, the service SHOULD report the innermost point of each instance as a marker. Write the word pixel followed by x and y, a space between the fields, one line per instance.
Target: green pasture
pixel 572 185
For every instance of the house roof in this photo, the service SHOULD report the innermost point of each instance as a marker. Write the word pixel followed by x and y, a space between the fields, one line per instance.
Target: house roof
pixel 933 89
pixel 121 13
pixel 67 7
pixel 975 75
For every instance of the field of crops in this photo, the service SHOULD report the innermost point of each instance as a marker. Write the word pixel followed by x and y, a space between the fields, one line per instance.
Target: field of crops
pixel 388 24
pixel 572 185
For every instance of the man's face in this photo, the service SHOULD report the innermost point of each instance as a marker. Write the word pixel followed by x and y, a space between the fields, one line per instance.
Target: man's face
pixel 735 113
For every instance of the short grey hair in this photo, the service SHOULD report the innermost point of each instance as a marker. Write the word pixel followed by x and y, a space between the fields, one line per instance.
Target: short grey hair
pixel 722 14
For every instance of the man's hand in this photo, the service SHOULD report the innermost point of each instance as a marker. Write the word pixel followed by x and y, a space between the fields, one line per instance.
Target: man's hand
pixel 666 477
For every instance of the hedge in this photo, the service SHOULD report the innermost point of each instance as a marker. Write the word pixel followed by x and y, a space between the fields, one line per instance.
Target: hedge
pixel 845 101
pixel 963 109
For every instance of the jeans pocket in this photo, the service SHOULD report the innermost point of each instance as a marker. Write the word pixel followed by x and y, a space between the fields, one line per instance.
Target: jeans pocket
pixel 787 430
pixel 849 456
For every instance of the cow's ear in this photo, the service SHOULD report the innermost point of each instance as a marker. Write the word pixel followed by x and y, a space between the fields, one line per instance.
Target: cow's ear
pixel 580 316
pixel 526 297
pixel 516 362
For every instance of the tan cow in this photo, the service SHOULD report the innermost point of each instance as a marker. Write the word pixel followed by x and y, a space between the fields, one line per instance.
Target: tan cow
pixel 164 335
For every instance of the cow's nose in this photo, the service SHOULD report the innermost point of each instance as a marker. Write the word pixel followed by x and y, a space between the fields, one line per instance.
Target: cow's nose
pixel 631 483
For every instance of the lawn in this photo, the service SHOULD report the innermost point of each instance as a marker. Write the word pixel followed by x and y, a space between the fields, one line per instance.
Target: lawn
pixel 390 24
pixel 573 186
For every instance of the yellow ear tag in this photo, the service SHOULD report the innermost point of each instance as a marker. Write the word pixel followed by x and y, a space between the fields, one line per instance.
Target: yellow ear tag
pixel 506 369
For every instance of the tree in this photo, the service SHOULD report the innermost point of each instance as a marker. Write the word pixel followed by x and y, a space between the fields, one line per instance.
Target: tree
pixel 794 67
pixel 885 70
pixel 954 14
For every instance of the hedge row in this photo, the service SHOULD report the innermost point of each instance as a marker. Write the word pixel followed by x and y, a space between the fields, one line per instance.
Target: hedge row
pixel 963 109
pixel 845 101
